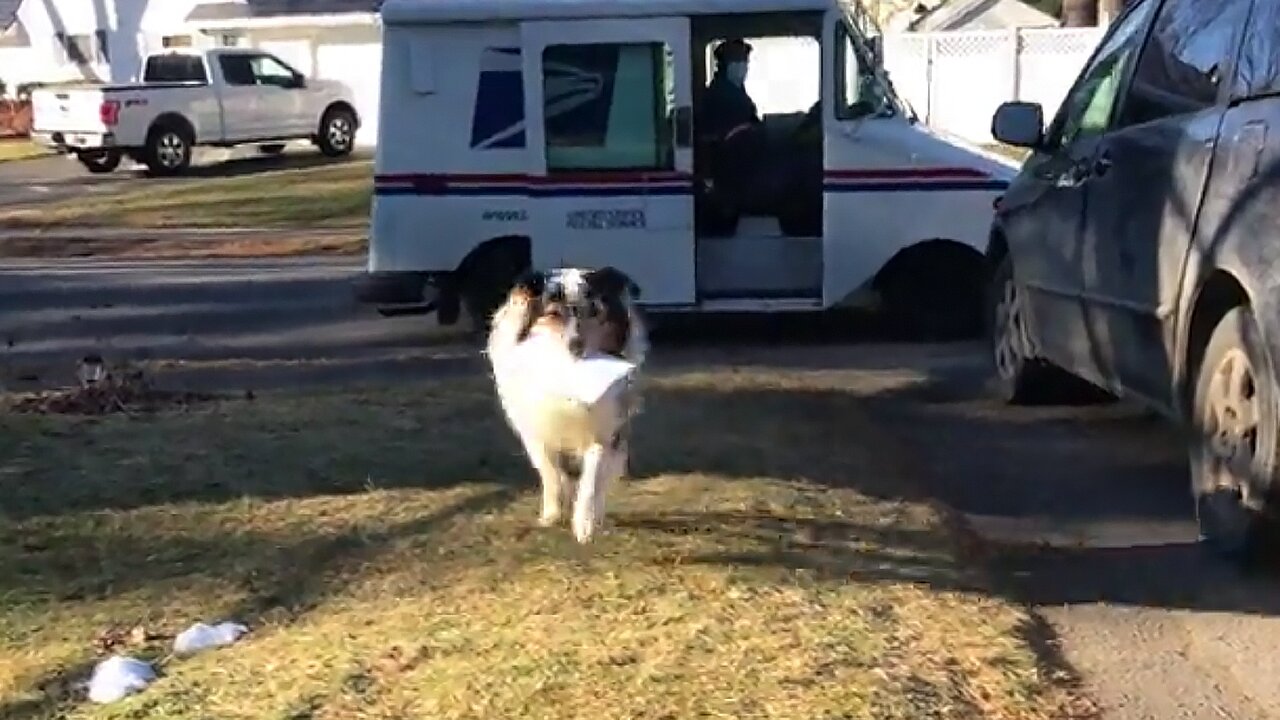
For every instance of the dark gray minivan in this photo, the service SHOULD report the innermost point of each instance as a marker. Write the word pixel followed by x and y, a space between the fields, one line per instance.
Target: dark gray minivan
pixel 1139 248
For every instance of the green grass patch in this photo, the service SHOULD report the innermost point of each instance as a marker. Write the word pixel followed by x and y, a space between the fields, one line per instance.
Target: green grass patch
pixel 311 197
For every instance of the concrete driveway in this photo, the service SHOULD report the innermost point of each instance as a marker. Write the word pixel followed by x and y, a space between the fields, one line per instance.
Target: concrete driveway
pixel 33 181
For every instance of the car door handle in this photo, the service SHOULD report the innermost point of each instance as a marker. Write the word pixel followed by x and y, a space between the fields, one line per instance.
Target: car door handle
pixel 1102 164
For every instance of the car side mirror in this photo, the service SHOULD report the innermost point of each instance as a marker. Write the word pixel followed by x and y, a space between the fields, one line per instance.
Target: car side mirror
pixel 1020 124
pixel 299 82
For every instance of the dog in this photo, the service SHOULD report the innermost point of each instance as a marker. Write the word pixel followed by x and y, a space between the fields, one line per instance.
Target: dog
pixel 548 322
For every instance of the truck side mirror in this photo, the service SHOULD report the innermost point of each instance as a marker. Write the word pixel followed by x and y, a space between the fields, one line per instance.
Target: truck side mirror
pixel 876 43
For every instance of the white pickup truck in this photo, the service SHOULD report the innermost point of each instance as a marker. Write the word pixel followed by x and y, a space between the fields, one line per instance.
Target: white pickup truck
pixel 222 98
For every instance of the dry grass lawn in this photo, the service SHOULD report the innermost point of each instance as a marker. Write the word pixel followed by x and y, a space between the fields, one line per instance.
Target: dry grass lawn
pixel 19 150
pixel 381 544
pixel 323 196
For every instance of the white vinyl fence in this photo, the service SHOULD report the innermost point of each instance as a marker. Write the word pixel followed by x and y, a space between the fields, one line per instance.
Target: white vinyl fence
pixel 956 80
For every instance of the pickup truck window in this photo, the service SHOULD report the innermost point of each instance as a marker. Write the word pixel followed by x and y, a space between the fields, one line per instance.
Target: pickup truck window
pixel 1182 66
pixel 1259 71
pixel 174 68
pixel 249 69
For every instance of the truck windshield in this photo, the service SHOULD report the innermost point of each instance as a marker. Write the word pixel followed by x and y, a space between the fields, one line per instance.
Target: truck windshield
pixel 866 37
pixel 174 68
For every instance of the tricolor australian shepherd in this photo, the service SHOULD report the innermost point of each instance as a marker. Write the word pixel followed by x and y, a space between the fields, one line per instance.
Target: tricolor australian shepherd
pixel 549 323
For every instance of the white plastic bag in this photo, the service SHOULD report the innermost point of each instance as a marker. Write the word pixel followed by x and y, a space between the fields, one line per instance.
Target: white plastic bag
pixel 202 637
pixel 118 677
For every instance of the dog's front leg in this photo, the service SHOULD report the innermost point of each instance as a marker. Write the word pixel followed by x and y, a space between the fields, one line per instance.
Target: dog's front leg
pixel 586 511
pixel 553 483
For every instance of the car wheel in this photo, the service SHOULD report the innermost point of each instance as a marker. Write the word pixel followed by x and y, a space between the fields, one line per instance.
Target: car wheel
pixel 337 133
pixel 168 151
pixel 1021 377
pixel 100 162
pixel 1233 444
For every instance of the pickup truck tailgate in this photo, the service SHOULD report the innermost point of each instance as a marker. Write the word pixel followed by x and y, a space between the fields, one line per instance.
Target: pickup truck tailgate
pixel 67 110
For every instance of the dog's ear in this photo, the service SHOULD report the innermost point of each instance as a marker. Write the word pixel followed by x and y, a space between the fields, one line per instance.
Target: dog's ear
pixel 609 280
pixel 531 283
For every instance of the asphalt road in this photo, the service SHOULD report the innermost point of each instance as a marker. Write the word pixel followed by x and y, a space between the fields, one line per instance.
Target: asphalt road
pixel 1085 507
pixel 259 323
pixel 57 178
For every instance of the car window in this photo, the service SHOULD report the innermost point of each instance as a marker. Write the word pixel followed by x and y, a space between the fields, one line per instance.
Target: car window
pixel 605 106
pixel 1185 59
pixel 174 68
pixel 1087 110
pixel 236 69
pixel 1259 70
pixel 269 71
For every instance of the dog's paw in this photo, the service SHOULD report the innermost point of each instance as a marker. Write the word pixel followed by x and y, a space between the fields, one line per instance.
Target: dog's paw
pixel 547 520
pixel 584 528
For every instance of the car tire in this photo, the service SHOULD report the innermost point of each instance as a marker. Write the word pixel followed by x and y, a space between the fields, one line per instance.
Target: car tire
pixel 337 135
pixel 100 162
pixel 1233 444
pixel 168 151
pixel 1021 377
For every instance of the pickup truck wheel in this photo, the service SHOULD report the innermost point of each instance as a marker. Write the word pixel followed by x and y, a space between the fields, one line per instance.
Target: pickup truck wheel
pixel 1235 440
pixel 337 133
pixel 168 151
pixel 100 162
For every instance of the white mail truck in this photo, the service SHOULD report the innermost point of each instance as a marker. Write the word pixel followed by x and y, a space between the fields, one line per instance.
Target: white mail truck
pixel 541 133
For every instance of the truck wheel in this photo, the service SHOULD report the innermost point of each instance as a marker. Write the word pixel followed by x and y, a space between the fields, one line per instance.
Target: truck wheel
pixel 100 162
pixel 168 151
pixel 485 287
pixel 337 133
pixel 1234 448
pixel 271 149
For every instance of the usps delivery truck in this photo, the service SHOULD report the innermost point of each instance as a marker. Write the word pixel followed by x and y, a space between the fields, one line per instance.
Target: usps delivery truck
pixel 542 133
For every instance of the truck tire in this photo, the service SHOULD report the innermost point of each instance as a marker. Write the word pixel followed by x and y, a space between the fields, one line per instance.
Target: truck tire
pixel 168 150
pixel 100 162
pixel 337 135
pixel 1234 444
pixel 485 286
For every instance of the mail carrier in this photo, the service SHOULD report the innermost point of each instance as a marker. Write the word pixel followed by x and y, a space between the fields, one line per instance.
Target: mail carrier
pixel 728 155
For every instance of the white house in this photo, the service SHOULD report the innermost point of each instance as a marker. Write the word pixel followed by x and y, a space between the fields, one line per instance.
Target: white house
pixel 95 40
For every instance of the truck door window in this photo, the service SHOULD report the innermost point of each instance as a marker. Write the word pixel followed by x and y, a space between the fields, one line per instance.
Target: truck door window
pixel 1259 70
pixel 1087 110
pixel 1183 63
pixel 236 70
pixel 858 89
pixel 270 71
pixel 606 105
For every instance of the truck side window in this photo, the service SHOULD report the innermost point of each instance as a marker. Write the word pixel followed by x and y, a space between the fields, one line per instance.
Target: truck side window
pixel 1183 63
pixel 1087 110
pixel 236 69
pixel 1259 70
pixel 605 106
pixel 857 87
pixel 270 71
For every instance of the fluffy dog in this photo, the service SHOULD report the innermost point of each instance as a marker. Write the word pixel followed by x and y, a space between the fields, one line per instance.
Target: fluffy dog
pixel 549 322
